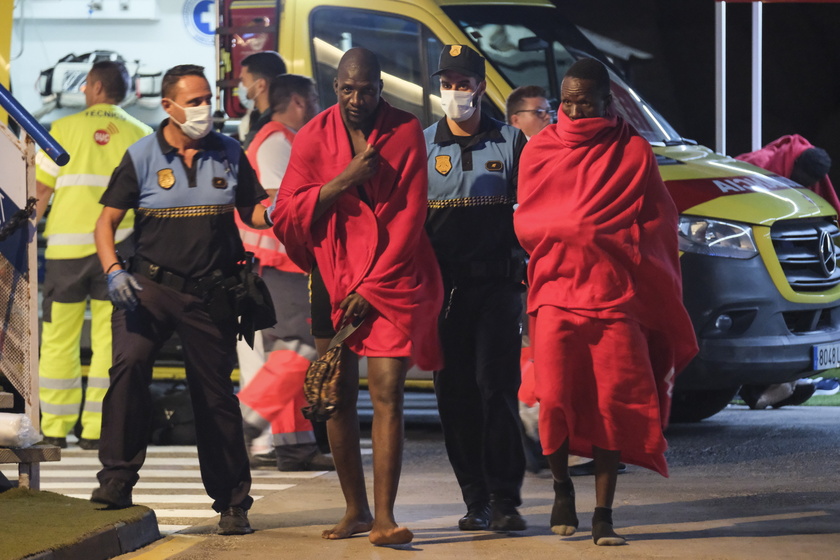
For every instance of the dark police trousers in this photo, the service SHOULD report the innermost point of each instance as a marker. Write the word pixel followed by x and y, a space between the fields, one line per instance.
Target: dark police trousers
pixel 477 389
pixel 209 357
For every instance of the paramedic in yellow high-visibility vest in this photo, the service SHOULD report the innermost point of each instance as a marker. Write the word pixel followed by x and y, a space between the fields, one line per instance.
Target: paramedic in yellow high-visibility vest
pixel 96 140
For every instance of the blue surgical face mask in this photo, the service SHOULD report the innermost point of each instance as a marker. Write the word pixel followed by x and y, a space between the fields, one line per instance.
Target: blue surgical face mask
pixel 199 121
pixel 243 92
pixel 457 105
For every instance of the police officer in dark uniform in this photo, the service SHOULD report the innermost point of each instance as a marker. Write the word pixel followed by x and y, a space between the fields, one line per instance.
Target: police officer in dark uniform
pixel 473 164
pixel 184 183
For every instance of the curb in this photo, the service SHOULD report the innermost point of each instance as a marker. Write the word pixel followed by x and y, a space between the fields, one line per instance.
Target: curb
pixel 108 542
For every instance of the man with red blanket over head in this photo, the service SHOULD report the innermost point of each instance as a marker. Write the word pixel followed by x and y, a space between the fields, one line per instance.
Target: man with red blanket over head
pixel 605 291
pixel 351 209
pixel 793 157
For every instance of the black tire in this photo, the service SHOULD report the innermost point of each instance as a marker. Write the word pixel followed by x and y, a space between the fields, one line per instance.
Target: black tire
pixel 693 406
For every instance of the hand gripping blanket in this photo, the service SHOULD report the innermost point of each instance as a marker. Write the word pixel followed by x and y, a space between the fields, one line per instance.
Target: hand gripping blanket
pixel 379 251
pixel 601 232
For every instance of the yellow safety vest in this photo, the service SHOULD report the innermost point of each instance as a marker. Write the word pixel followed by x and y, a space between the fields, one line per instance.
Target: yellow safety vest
pixel 96 140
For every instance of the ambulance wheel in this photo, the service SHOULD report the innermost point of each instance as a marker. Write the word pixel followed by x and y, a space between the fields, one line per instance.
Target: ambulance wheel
pixel 693 406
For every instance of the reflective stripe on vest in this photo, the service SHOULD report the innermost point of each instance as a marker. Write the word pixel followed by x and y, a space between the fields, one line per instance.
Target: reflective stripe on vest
pixel 96 139
pixel 262 242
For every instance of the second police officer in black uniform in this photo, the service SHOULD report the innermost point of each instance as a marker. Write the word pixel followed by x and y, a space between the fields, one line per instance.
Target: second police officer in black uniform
pixel 473 164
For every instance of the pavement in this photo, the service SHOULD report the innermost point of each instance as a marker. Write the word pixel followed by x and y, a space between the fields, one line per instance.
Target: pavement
pixel 744 484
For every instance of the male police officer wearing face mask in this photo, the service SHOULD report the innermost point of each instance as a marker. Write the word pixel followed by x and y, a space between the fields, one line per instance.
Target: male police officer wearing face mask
pixel 184 184
pixel 473 164
pixel 258 70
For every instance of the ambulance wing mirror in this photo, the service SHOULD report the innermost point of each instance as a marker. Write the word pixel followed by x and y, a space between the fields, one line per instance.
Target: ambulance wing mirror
pixel 531 44
pixel 535 44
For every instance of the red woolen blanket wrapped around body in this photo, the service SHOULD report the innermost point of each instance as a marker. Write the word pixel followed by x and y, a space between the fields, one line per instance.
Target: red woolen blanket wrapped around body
pixel 380 250
pixel 601 232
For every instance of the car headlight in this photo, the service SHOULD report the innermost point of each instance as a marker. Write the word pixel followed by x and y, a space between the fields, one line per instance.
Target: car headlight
pixel 715 238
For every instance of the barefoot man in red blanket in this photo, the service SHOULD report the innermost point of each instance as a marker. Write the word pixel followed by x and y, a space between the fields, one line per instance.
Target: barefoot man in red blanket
pixel 605 291
pixel 351 209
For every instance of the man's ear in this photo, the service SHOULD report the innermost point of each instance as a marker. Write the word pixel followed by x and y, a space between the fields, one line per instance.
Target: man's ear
pixel 479 91
pixel 608 99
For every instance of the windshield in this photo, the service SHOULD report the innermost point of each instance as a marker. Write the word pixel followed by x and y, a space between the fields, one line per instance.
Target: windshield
pixel 532 45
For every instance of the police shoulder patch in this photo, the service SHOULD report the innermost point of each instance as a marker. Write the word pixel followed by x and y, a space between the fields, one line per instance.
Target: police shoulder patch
pixel 494 165
pixel 166 178
pixel 443 164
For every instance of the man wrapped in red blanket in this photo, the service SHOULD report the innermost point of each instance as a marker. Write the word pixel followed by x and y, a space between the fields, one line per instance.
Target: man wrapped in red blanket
pixel 605 291
pixel 792 156
pixel 351 209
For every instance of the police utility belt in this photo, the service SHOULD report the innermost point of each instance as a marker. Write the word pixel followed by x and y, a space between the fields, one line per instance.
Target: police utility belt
pixel 237 295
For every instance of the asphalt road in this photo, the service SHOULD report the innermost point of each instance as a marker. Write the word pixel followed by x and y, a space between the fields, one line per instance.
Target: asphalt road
pixel 744 484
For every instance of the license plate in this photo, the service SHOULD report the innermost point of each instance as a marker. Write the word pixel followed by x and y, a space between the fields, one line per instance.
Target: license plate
pixel 826 356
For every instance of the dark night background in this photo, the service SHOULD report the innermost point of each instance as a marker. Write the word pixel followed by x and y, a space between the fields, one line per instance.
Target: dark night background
pixel 801 66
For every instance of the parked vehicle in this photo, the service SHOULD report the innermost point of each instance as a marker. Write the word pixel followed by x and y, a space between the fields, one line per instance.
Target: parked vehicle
pixel 759 254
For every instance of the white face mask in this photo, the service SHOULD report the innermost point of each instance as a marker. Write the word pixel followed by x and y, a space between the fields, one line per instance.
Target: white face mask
pixel 457 105
pixel 199 121
pixel 243 96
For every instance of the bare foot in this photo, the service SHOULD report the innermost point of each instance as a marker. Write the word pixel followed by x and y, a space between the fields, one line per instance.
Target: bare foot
pixel 390 536
pixel 347 528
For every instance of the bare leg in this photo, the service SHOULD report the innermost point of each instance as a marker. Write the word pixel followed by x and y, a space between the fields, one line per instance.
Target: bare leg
pixel 606 476
pixel 386 379
pixel 558 462
pixel 343 431
pixel 564 519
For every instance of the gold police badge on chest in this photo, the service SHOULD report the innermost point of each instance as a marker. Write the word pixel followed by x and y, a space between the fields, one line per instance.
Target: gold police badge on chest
pixel 443 164
pixel 166 178
pixel 494 165
pixel 219 182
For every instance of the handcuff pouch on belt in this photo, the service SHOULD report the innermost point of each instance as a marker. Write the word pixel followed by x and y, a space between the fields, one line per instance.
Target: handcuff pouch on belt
pixel 253 302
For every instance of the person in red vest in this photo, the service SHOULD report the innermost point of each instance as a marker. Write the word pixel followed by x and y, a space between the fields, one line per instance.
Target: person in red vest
pixel 605 294
pixel 274 395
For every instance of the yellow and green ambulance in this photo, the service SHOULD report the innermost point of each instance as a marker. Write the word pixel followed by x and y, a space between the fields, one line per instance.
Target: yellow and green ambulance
pixel 759 255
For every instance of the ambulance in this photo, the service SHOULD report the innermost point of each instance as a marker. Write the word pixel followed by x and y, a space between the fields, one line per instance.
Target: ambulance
pixel 758 251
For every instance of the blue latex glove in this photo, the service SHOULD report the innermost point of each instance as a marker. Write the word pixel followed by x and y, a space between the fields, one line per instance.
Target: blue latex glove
pixel 121 290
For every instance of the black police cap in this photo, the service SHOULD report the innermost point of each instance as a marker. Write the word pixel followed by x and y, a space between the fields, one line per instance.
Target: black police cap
pixel 461 59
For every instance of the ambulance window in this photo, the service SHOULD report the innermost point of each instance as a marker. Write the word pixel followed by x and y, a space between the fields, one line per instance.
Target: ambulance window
pixel 398 43
pixel 536 45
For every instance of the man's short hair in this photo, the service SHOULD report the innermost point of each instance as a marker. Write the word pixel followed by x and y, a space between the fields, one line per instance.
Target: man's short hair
pixel 814 163
pixel 265 64
pixel 591 69
pixel 114 79
pixel 517 98
pixel 282 87
pixel 174 74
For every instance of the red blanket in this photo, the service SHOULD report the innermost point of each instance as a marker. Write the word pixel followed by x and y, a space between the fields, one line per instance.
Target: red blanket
pixel 601 231
pixel 379 251
pixel 780 155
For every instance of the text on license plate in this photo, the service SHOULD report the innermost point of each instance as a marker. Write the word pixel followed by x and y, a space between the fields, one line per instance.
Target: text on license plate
pixel 826 356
